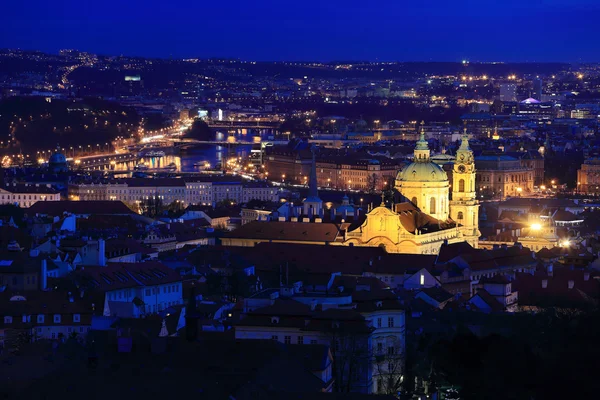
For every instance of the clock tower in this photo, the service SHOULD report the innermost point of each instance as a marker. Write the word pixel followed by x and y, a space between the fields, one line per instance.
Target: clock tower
pixel 464 207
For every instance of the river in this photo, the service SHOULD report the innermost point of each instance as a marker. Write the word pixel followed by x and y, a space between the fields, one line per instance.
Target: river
pixel 211 153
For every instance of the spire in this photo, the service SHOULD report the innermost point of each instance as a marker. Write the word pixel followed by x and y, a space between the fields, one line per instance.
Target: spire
pixel 313 193
pixel 464 144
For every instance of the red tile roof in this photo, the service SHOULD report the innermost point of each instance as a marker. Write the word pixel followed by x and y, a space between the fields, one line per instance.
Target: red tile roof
pixel 127 275
pixel 585 290
pixel 292 231
pixel 55 208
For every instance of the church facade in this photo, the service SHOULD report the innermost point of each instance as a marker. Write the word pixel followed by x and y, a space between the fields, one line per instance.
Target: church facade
pixel 430 218
pixel 420 225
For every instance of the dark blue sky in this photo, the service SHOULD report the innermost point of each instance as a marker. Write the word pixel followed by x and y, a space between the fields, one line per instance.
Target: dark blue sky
pixel 405 30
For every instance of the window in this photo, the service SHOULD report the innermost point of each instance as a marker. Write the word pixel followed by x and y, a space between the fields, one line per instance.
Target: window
pixel 274 337
pixel 391 367
pixel 459 216
pixel 8 320
pixel 287 339
pixel 300 339
pixel 40 319
pixel 432 205
pixel 313 341
pixel 390 322
pixel 379 348
pixel 81 329
pixel 414 201
pixel 390 350
pixel 56 318
pixel 422 281
pixel 53 335
pixel 76 318
pixel 379 322
pixel 461 185
pixel 148 292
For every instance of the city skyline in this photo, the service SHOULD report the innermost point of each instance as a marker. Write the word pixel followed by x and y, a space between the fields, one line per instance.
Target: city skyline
pixel 547 31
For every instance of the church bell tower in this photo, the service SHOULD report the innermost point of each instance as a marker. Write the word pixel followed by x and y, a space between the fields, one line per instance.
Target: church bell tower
pixel 464 207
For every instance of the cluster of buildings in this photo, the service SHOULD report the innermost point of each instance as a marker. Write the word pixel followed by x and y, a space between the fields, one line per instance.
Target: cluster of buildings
pixel 187 191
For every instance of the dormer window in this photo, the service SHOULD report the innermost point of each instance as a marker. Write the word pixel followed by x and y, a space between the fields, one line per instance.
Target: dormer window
pixel 57 318
pixel 76 318
pixel 40 319
pixel 274 320
pixel 379 304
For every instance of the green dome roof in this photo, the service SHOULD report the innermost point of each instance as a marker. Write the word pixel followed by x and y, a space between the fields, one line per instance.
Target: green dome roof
pixel 57 158
pixel 422 172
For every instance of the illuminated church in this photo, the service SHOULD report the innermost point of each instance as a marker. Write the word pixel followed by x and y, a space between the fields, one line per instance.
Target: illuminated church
pixel 422 224
pixel 419 225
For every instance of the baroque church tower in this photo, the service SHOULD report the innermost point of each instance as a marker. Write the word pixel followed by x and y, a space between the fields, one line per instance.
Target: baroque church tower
pixel 464 207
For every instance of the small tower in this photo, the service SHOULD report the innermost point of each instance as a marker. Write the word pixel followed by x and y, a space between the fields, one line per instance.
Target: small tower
pixel 422 152
pixel 464 207
pixel 313 205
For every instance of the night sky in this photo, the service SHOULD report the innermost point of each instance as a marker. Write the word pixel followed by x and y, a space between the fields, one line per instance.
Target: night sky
pixel 326 30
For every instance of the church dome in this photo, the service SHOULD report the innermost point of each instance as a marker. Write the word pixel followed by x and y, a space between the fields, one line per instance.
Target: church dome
pixel 57 158
pixel 58 162
pixel 422 172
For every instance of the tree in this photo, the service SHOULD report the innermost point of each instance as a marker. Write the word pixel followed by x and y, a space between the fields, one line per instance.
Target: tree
pixel 152 206
pixel 372 181
pixel 350 351
pixel 199 131
pixel 388 366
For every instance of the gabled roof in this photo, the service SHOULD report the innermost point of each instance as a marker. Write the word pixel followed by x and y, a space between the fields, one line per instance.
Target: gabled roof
pixel 126 275
pixel 55 208
pixel 450 251
pixel 490 300
pixel 437 293
pixel 292 231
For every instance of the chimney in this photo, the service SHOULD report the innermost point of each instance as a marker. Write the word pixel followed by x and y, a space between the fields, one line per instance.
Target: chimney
pixel 544 283
pixel 101 252
pixel 43 275
pixel 586 276
pixel 571 284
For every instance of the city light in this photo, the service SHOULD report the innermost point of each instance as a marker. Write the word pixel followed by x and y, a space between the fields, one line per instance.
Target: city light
pixel 536 227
